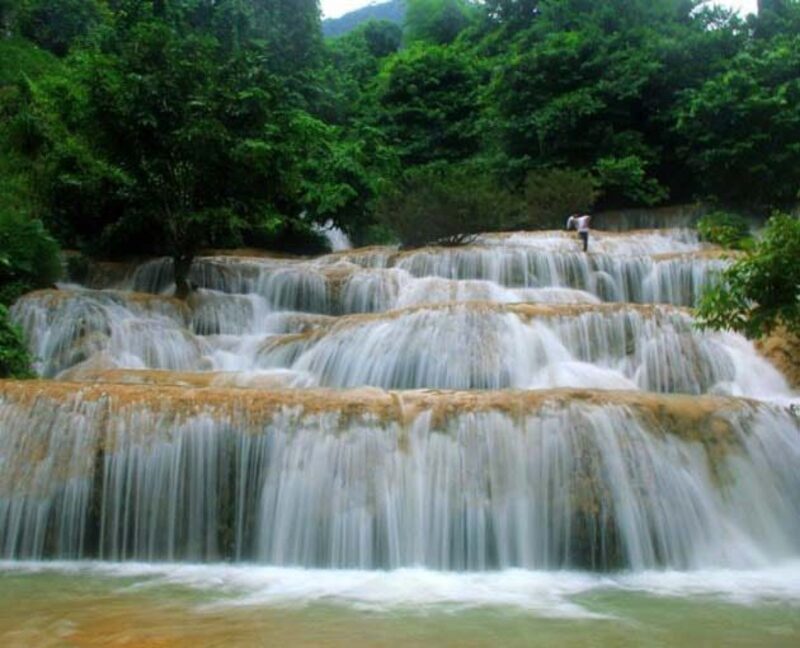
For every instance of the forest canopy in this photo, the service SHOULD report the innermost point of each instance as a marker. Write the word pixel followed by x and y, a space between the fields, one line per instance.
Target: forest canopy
pixel 152 127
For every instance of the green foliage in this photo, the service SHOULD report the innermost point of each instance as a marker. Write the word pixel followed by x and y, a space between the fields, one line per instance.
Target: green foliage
pixel 293 236
pixel 22 67
pixel 625 180
pixel 291 32
pixel 762 290
pixel 726 229
pixel 55 24
pixel 173 142
pixel 445 205
pixel 742 126
pixel 29 257
pixel 428 101
pixel 375 234
pixel 15 362
pixel 382 38
pixel 437 21
pixel 591 85
pixel 166 127
pixel 352 62
pixel 551 195
pixel 519 13
pixel 343 174
pixel 21 59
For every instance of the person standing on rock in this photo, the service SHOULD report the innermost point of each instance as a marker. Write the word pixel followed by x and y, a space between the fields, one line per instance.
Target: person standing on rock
pixel 582 224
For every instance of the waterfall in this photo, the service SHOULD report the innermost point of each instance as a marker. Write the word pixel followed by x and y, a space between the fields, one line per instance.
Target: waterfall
pixel 452 480
pixel 514 403
pixel 654 268
pixel 479 345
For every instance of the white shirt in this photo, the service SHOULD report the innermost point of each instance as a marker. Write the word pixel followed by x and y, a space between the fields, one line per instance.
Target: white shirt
pixel 581 222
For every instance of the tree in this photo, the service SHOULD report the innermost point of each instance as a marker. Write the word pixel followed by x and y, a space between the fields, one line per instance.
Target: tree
pixel 56 24
pixel 762 290
pixel 445 205
pixel 292 33
pixel 352 63
pixel 428 102
pixel 15 361
pixel 516 14
pixel 437 21
pixel 198 137
pixel 729 230
pixel 28 256
pixel 741 127
pixel 382 37
pixel 590 85
pixel 553 194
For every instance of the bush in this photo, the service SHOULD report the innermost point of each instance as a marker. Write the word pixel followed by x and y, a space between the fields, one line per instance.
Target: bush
pixel 55 24
pixel 374 234
pixel 445 206
pixel 15 362
pixel 551 195
pixel 761 291
pixel 293 236
pixel 29 257
pixel 723 228
pixel 624 180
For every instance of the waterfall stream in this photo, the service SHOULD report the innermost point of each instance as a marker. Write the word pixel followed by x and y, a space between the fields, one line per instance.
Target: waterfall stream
pixel 513 404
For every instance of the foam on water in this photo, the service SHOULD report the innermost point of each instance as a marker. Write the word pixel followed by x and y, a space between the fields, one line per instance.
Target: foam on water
pixel 554 594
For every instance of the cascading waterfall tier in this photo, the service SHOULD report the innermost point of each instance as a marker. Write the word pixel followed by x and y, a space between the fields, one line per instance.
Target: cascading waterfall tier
pixel 373 479
pixel 669 267
pixel 80 335
pixel 485 345
pixel 252 422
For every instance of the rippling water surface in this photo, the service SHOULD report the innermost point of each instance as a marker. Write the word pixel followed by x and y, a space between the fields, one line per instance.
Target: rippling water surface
pixel 45 604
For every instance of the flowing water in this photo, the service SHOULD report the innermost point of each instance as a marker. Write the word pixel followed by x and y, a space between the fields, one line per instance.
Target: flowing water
pixel 511 442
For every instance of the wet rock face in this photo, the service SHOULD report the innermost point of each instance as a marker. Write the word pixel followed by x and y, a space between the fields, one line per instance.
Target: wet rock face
pixel 783 350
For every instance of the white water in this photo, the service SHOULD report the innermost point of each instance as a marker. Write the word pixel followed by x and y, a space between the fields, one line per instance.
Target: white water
pixel 565 486
pixel 545 594
pixel 667 267
pixel 337 239
pixel 477 345
pixel 372 499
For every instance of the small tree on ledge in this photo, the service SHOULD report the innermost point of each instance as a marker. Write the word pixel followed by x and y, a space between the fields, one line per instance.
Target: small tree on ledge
pixel 762 290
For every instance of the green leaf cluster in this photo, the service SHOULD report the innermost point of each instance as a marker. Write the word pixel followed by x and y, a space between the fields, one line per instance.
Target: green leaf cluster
pixel 762 290
pixel 438 21
pixel 15 362
pixel 729 230
pixel 446 205
pixel 551 194
pixel 29 256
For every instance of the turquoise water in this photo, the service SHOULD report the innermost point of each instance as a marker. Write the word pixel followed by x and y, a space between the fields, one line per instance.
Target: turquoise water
pixel 182 605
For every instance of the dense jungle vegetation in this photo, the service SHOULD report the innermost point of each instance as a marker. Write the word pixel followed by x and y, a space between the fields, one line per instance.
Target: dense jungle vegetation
pixel 152 127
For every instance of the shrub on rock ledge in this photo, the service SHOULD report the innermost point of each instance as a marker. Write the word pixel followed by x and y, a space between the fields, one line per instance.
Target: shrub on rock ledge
pixel 725 229
pixel 446 206
pixel 761 291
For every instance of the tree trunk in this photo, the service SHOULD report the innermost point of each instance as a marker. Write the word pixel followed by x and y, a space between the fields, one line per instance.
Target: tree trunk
pixel 182 264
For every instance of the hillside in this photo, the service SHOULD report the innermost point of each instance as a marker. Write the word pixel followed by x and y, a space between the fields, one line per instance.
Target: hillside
pixel 393 11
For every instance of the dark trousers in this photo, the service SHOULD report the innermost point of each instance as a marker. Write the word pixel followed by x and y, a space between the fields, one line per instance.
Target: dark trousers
pixel 585 238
